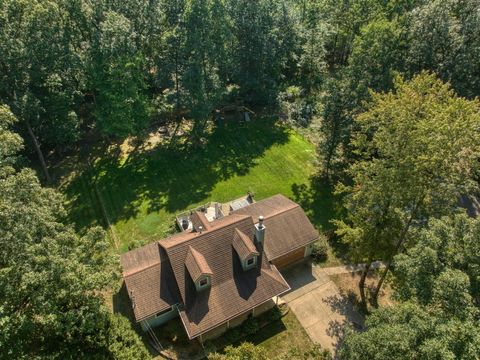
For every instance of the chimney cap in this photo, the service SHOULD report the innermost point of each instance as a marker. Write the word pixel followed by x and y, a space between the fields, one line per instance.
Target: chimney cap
pixel 260 218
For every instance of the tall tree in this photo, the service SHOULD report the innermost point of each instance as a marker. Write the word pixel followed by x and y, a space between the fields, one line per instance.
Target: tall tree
pixel 436 288
pixel 118 77
pixel 374 60
pixel 261 47
pixel 409 331
pixel 417 150
pixel 41 70
pixel 443 38
pixel 51 279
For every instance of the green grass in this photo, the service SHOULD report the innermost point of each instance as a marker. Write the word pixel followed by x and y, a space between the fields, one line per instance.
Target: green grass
pixel 282 335
pixel 144 191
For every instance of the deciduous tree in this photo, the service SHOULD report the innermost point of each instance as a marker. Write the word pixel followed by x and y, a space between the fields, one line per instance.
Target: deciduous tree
pixel 417 151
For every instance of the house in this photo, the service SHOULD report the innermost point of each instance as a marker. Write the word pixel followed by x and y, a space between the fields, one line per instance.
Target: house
pixel 221 272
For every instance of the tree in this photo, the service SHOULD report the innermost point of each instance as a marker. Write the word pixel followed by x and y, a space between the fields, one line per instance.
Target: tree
pixel 375 58
pixel 436 316
pixel 442 39
pixel 41 70
pixel 417 151
pixel 409 331
pixel 262 47
pixel 51 279
pixel 443 248
pixel 121 106
pixel 201 79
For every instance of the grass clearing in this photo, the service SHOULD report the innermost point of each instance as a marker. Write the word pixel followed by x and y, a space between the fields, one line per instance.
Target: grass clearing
pixel 144 190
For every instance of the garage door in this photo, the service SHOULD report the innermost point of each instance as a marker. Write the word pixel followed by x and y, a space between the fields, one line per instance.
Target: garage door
pixel 289 258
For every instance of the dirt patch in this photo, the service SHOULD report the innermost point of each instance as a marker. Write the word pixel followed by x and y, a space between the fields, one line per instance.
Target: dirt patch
pixel 348 286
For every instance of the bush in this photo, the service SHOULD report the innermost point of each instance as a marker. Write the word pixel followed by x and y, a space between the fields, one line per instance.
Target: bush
pixel 233 335
pixel 274 314
pixel 250 326
pixel 209 347
pixel 295 106
pixel 320 250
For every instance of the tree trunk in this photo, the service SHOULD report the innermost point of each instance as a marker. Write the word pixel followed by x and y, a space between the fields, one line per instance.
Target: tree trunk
pixel 361 285
pixel 39 152
pixel 380 284
pixel 331 148
pixel 400 242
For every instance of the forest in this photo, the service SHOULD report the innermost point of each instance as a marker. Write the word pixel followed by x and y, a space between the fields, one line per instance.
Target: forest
pixel 388 90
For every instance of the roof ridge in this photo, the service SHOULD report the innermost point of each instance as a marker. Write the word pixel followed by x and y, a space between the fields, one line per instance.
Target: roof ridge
pixel 232 221
pixel 136 271
pixel 294 206
pixel 267 272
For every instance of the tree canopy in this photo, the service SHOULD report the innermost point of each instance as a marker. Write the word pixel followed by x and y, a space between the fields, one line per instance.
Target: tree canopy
pixel 51 279
pixel 417 153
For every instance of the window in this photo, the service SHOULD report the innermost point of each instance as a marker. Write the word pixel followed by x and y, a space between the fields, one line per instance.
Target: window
pixel 203 282
pixel 249 263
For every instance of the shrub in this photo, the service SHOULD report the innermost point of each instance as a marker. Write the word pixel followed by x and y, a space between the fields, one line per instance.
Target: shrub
pixel 274 314
pixel 295 106
pixel 250 326
pixel 233 335
pixel 209 347
pixel 320 250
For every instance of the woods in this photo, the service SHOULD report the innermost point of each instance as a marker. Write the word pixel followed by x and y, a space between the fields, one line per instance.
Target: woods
pixel 392 90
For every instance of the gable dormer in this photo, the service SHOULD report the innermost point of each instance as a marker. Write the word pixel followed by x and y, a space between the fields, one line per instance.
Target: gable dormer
pixel 198 269
pixel 245 249
pixel 199 221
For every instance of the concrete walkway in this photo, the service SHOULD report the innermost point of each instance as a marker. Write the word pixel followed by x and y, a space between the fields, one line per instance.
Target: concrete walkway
pixel 318 304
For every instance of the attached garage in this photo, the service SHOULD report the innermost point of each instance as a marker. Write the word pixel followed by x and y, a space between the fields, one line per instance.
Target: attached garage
pixel 292 257
pixel 286 227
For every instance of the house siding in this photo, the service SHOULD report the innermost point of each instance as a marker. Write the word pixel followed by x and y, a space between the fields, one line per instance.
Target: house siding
pixel 237 321
pixel 154 321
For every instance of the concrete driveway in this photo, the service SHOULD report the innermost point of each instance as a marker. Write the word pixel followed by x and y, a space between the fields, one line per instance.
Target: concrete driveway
pixel 318 305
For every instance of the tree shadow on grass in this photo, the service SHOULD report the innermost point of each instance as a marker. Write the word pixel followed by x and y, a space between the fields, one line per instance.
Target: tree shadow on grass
pixel 321 206
pixel 170 178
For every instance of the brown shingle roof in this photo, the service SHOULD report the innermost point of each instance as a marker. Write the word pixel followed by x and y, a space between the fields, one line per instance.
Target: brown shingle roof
pixel 267 207
pixel 148 277
pixel 233 291
pixel 287 226
pixel 243 245
pixel 196 264
pixel 157 275
pixel 198 219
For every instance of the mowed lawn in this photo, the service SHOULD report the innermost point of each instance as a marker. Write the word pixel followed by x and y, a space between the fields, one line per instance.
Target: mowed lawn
pixel 143 191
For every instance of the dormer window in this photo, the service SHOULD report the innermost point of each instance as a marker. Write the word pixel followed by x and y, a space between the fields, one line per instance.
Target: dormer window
pixel 245 249
pixel 198 268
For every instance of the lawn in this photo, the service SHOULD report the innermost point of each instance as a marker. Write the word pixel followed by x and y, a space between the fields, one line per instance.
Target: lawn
pixel 278 338
pixel 282 335
pixel 144 190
